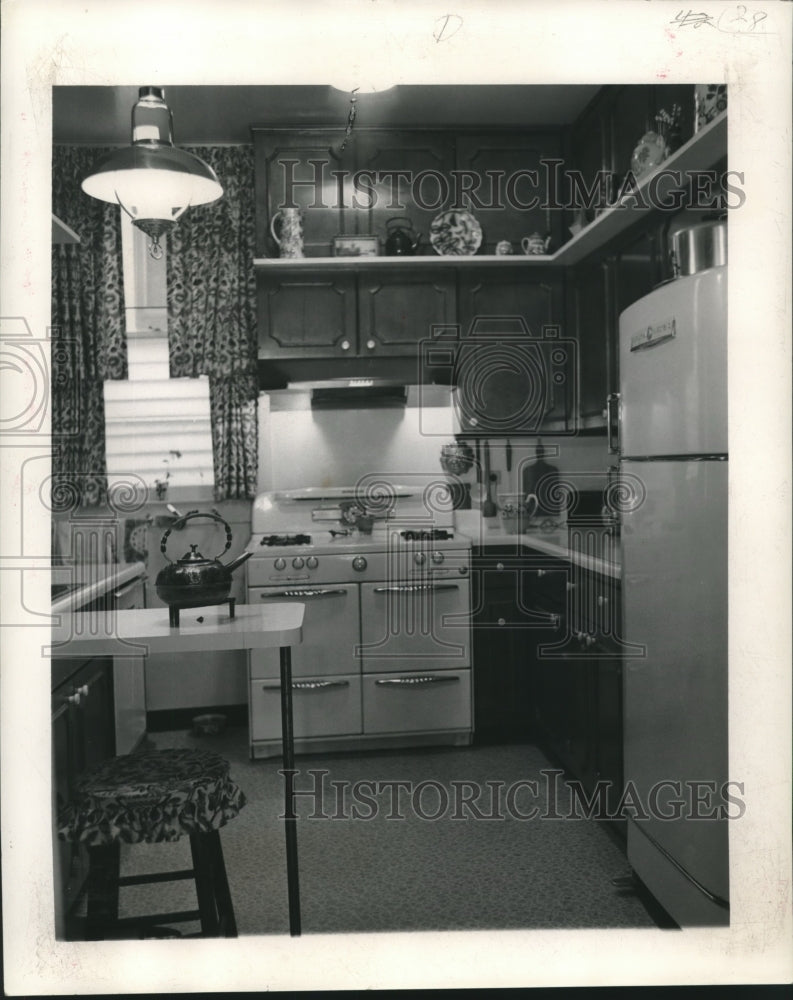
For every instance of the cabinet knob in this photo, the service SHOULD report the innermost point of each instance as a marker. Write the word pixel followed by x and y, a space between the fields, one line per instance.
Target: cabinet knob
pixel 371 344
pixel 499 566
pixel 569 586
pixel 540 572
pixel 345 345
pixel 502 621
pixel 602 601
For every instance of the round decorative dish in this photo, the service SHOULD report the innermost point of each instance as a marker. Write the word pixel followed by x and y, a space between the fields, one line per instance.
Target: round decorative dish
pixel 455 233
pixel 650 151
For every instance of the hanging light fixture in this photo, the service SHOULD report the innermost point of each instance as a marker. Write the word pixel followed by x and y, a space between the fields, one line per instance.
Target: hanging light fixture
pixel 153 181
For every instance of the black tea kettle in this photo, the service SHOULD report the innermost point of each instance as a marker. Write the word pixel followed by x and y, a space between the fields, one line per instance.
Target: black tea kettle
pixel 401 240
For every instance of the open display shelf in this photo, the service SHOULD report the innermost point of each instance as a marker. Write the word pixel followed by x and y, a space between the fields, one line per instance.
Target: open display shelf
pixel 701 152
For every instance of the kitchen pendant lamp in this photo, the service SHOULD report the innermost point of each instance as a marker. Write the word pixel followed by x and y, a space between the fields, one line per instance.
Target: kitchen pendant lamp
pixel 153 181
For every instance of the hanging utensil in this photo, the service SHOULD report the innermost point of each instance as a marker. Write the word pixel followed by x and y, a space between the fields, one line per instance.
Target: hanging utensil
pixel 489 509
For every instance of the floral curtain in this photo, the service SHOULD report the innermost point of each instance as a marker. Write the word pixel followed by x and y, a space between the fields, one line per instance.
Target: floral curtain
pixel 88 331
pixel 212 314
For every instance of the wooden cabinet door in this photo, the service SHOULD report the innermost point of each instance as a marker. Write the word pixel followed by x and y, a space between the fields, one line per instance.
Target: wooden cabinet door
pixel 308 315
pixel 296 169
pixel 593 326
pixel 406 174
pixel 508 167
pixel 590 155
pixel 631 114
pixel 397 310
pixel 97 735
pixel 511 382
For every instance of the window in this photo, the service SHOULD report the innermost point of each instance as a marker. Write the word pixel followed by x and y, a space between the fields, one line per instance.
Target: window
pixel 155 427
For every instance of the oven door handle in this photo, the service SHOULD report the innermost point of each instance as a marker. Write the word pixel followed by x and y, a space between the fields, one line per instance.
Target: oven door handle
pixel 307 685
pixel 410 588
pixel 305 593
pixel 417 681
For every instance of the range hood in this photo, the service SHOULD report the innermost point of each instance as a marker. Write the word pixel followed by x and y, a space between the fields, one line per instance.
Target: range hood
pixel 352 383
pixel 343 394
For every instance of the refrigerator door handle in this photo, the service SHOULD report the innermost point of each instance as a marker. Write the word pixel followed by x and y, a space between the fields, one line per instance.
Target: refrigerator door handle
pixel 613 439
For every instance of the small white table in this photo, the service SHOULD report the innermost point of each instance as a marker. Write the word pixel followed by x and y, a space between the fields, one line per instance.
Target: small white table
pixel 145 631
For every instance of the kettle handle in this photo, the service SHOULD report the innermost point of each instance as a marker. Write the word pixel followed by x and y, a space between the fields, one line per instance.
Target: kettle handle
pixel 190 515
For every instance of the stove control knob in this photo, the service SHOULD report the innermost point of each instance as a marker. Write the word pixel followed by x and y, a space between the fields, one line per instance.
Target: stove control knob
pixel 463 570
pixel 280 563
pixel 311 562
pixel 437 557
pixel 298 563
pixel 419 558
pixel 359 564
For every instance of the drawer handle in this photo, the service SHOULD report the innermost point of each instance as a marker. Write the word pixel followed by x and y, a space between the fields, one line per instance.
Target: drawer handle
pixel 415 681
pixel 304 593
pixel 410 588
pixel 308 685
pixel 602 601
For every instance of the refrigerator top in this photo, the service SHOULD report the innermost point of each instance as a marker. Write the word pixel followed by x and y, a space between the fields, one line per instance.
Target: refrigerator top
pixel 673 369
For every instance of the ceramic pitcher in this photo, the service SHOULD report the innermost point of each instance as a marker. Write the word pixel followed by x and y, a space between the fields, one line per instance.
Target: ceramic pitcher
pixel 290 240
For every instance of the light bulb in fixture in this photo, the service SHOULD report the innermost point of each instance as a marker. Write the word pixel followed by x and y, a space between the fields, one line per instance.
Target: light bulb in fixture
pixel 152 180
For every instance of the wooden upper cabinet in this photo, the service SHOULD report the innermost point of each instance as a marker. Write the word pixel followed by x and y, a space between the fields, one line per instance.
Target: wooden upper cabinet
pixel 309 315
pixel 302 168
pixel 401 173
pixel 397 310
pixel 515 363
pixel 590 155
pixel 631 113
pixel 509 172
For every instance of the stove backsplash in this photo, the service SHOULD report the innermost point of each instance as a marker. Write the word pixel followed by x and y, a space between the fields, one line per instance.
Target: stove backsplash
pixel 303 447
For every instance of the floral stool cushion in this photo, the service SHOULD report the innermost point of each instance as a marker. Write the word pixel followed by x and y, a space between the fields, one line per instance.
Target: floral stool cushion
pixel 151 797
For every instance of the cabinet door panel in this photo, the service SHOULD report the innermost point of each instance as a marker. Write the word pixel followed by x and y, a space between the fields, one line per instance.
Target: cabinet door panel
pixel 503 164
pixel 532 386
pixel 309 316
pixel 592 325
pixel 307 183
pixel 397 311
pixel 422 159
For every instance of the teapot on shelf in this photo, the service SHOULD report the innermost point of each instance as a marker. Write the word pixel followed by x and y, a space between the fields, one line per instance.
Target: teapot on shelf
pixel 401 240
pixel 535 244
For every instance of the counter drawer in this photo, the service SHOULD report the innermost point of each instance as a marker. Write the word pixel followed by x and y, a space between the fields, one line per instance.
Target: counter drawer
pixel 412 702
pixel 321 706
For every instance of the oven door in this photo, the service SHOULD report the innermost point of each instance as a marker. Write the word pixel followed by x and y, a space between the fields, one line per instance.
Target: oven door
pixel 415 626
pixel 331 631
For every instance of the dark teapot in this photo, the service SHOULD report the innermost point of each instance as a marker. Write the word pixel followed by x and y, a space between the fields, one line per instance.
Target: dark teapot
pixel 194 581
pixel 401 239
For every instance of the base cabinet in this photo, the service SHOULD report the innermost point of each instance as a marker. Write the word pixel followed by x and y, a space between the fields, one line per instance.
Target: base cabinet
pixel 518 599
pixel 82 735
pixel 578 693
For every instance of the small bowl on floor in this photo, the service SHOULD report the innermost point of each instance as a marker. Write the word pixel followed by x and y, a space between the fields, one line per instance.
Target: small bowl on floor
pixel 209 725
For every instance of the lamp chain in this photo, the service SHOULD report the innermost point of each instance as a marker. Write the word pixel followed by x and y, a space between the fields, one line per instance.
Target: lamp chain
pixel 350 118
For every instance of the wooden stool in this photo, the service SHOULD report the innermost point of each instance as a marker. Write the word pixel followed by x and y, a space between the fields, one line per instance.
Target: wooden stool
pixel 153 797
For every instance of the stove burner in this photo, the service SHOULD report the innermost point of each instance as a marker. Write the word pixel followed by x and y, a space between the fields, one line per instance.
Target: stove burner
pixel 285 540
pixel 427 535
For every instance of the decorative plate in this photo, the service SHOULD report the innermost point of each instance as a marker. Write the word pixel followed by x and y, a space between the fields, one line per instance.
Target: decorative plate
pixel 455 233
pixel 649 152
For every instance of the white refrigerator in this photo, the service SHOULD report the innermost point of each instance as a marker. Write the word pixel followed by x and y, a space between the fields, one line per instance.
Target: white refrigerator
pixel 673 477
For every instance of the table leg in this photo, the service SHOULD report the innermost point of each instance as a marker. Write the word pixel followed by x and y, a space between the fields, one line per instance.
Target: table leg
pixel 290 817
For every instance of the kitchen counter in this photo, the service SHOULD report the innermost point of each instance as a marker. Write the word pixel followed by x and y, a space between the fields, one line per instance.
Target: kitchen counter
pixel 484 534
pixel 88 582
